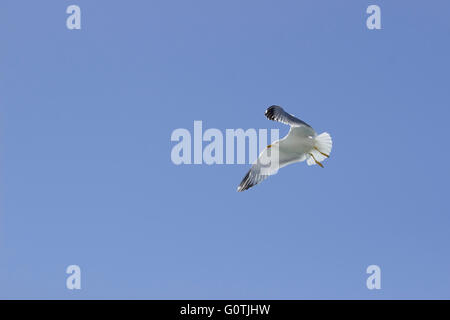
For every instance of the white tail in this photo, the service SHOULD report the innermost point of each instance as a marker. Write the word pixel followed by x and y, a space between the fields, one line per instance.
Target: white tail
pixel 322 145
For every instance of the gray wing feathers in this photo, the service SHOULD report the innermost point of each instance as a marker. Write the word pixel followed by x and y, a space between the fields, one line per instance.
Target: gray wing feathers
pixel 258 172
pixel 253 177
pixel 276 113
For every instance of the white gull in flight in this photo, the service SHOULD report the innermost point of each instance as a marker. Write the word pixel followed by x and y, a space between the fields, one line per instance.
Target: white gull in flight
pixel 300 144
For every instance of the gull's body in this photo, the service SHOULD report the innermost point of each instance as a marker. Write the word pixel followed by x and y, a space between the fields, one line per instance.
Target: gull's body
pixel 300 144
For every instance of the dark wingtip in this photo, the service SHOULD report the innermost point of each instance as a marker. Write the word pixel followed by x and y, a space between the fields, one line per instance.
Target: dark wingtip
pixel 270 112
pixel 245 183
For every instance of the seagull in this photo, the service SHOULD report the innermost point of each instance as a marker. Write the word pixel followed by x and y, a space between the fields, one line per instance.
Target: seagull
pixel 300 144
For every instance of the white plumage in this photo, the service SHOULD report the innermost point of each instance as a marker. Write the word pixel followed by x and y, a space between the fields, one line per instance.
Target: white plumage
pixel 300 144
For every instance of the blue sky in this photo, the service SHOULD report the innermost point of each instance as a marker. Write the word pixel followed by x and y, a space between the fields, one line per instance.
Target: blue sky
pixel 87 179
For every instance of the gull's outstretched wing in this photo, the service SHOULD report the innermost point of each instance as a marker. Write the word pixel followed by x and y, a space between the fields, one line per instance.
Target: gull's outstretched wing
pixel 259 172
pixel 276 113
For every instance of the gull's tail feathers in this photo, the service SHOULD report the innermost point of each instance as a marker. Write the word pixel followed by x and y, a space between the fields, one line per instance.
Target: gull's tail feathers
pixel 322 149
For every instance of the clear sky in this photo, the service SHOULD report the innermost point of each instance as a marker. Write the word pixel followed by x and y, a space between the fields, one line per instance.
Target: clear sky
pixel 87 178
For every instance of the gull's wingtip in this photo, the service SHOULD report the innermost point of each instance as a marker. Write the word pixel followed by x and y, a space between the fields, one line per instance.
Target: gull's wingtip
pixel 245 183
pixel 270 112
